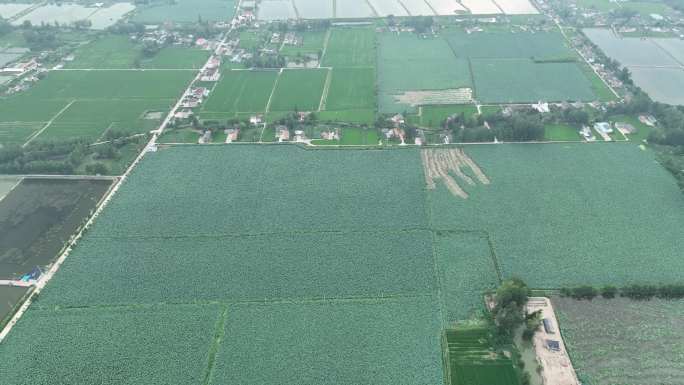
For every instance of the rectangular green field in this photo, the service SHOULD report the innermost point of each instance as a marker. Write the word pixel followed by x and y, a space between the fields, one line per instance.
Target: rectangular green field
pixel 90 119
pixel 508 45
pixel 185 11
pixel 299 90
pixel 241 91
pixel 366 116
pixel 381 342
pixel 279 204
pixel 128 345
pixel 466 266
pixel 524 81
pixel 113 51
pixel 435 115
pixel 431 65
pixel 273 266
pixel 350 47
pixel 122 84
pixel 559 215
pixel 351 89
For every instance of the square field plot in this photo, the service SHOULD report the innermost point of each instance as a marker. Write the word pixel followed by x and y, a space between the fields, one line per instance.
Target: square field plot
pixel 350 47
pixel 241 91
pixel 563 215
pixel 245 267
pixel 524 81
pixel 380 342
pixel 299 90
pixel 127 346
pixel 351 88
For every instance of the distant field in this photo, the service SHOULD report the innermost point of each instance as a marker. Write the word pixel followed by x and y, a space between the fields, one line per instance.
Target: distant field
pixel 621 341
pixel 431 65
pixel 532 81
pixel 299 90
pixel 70 104
pixel 351 89
pixel 240 91
pixel 506 45
pixel 350 47
pixel 185 11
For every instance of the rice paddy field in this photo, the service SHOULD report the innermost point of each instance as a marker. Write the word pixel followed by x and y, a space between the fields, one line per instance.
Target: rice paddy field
pixel 66 14
pixel 85 104
pixel 472 362
pixel 240 92
pixel 621 341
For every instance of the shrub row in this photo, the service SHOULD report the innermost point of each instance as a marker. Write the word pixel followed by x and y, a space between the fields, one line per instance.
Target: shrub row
pixel 638 292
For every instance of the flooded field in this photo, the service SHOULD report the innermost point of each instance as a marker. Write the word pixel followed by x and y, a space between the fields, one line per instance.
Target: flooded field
pixel 39 216
pixel 656 64
pixel 314 9
pixel 276 10
pixel 349 9
pixel 8 10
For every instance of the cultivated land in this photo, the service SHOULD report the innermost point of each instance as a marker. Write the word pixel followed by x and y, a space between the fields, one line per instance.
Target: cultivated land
pixel 559 215
pixel 299 90
pixel 621 341
pixel 351 89
pixel 185 11
pixel 472 361
pixel 39 216
pixel 85 104
pixel 240 92
pixel 350 47
pixel 119 52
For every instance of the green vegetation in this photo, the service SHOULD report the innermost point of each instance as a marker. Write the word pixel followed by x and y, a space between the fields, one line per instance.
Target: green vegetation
pixel 125 345
pixel 466 270
pixel 350 47
pixel 312 43
pixel 185 11
pixel 433 116
pixel 473 361
pixel 539 192
pixel 239 92
pixel 561 132
pixel 318 341
pixel 532 81
pixel 299 90
pixel 351 89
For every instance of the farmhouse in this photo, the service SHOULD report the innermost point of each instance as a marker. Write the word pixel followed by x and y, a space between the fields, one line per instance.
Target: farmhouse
pixel 282 133
pixel 603 127
pixel 625 128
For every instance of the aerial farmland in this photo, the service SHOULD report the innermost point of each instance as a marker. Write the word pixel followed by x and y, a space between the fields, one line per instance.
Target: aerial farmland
pixel 419 192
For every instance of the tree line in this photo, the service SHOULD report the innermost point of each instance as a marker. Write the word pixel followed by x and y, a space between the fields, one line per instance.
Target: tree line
pixel 635 291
